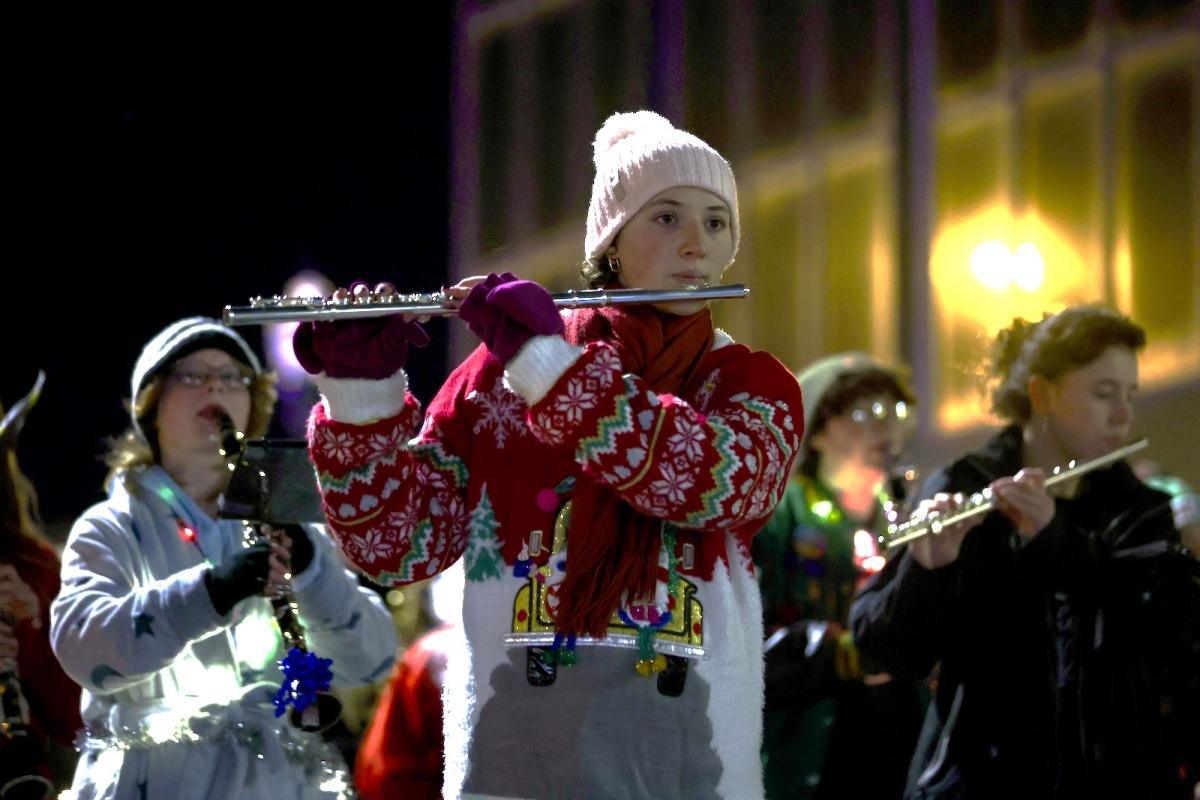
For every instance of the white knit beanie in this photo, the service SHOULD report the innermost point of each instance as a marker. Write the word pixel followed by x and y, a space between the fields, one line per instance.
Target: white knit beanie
pixel 176 340
pixel 640 154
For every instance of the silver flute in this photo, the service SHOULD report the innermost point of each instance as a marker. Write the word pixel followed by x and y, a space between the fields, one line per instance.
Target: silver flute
pixel 281 308
pixel 981 502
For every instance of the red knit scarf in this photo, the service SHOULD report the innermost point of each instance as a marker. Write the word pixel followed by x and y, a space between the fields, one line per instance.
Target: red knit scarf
pixel 612 549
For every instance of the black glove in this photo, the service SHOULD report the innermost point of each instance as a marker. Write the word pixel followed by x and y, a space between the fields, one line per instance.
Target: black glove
pixel 238 577
pixel 302 548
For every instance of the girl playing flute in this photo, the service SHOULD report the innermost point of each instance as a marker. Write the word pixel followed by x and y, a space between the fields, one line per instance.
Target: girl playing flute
pixel 1066 626
pixel 602 473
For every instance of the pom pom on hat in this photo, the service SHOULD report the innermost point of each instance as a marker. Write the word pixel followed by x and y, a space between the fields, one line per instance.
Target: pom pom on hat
pixel 640 154
pixel 619 127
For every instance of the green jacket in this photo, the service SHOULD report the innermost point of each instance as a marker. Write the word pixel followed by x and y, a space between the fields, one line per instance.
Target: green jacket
pixel 805 556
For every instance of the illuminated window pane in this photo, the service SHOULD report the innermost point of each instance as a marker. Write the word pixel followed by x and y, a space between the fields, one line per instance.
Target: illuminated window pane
pixel 859 282
pixel 780 276
pixel 1060 174
pixel 971 166
pixel 991 261
pixel 824 264
pixel 1158 265
pixel 969 262
pixel 494 136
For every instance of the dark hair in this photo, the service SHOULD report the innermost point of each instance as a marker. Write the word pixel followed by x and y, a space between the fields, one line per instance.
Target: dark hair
pixel 845 390
pixel 1060 343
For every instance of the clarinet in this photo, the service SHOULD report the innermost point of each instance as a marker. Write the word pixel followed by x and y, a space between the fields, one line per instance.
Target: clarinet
pixel 245 499
pixel 20 746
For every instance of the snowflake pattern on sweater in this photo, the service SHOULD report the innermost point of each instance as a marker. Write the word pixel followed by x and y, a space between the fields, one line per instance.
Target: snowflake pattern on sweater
pixel 710 462
pixel 403 510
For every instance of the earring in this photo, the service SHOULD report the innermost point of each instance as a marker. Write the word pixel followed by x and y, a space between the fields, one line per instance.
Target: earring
pixel 614 263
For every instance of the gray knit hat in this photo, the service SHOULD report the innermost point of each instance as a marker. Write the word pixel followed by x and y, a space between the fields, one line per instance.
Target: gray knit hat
pixel 640 154
pixel 179 339
pixel 817 377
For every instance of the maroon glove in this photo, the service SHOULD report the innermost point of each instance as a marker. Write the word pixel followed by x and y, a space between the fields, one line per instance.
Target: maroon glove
pixel 506 313
pixel 369 348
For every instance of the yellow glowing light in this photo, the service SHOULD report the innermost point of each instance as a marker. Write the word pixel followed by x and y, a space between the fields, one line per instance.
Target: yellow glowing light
pixel 985 269
pixel 1028 267
pixel 991 264
pixel 822 508
pixel 998 268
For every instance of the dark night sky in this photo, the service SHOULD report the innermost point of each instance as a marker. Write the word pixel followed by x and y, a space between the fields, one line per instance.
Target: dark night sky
pixel 164 192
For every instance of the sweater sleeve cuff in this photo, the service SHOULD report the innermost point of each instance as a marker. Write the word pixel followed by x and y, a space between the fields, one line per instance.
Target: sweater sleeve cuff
pixel 538 365
pixel 358 401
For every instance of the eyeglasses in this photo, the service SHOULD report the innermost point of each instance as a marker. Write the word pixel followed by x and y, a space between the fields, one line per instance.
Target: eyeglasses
pixel 879 411
pixel 228 377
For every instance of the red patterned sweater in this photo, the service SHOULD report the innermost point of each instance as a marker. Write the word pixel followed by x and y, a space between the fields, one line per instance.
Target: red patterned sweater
pixel 486 476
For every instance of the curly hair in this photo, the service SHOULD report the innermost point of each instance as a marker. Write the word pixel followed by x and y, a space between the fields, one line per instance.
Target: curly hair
pixel 597 273
pixel 1058 344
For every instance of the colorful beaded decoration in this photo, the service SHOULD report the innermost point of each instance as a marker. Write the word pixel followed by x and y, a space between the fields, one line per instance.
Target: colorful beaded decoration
pixel 560 656
pixel 650 662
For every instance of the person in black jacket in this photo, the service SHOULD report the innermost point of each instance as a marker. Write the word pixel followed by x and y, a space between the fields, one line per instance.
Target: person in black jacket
pixel 1064 629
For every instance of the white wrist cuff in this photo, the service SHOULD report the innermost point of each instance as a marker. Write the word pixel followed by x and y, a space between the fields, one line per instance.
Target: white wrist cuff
pixel 359 401
pixel 536 367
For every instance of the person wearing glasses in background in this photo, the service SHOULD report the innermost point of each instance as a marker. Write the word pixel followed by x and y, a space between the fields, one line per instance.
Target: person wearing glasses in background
pixel 1066 625
pixel 163 617
pixel 834 727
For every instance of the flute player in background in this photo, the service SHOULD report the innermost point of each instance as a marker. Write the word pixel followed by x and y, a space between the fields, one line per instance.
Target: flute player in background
pixel 602 473
pixel 163 618
pixel 1065 627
